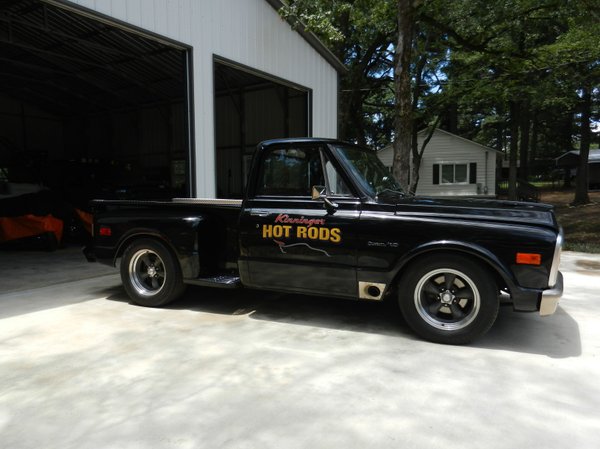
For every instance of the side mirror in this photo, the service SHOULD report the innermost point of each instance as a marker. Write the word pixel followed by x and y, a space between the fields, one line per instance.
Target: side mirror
pixel 320 193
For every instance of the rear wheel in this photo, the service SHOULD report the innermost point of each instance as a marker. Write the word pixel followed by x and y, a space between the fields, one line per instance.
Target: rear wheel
pixel 150 273
pixel 448 299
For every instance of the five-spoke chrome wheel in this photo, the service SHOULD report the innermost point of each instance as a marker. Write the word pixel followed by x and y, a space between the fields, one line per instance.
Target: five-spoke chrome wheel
pixel 447 299
pixel 151 273
pixel 147 272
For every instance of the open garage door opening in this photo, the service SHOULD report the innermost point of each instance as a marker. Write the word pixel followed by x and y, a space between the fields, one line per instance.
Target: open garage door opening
pixel 90 108
pixel 251 107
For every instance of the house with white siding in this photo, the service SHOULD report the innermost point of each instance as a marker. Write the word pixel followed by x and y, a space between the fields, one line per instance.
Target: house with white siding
pixel 452 166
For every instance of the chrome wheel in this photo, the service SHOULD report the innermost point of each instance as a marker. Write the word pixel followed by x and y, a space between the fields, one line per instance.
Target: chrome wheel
pixel 147 272
pixel 447 299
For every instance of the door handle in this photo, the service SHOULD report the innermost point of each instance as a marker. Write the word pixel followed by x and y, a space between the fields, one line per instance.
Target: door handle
pixel 261 214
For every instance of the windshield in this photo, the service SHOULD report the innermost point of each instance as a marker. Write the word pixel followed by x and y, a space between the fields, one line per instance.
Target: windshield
pixel 370 172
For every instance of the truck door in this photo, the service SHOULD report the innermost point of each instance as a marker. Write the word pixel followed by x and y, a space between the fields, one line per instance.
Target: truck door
pixel 289 241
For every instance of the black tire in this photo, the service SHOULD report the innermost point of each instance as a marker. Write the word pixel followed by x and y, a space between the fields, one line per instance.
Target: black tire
pixel 151 273
pixel 447 298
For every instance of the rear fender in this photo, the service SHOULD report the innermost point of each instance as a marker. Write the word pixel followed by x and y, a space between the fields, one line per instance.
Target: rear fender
pixel 179 234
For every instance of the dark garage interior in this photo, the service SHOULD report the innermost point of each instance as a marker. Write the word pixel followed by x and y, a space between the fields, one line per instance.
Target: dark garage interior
pixel 88 109
pixel 251 107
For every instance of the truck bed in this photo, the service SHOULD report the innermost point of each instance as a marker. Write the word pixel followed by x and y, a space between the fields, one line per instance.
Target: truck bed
pixel 217 234
pixel 216 202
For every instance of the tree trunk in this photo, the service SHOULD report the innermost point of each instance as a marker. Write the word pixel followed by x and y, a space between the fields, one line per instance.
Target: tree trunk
pixel 351 109
pixel 416 161
pixel 402 87
pixel 582 177
pixel 533 145
pixel 514 148
pixel 499 147
pixel 524 145
pixel 453 118
pixel 418 155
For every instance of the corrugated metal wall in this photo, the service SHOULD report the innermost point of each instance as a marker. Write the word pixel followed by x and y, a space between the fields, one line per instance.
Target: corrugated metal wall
pixel 249 32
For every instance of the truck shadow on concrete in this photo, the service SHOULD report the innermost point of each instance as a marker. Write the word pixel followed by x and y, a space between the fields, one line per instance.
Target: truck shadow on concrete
pixel 57 295
pixel 556 336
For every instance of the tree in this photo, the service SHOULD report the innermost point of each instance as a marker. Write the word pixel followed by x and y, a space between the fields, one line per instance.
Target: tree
pixel 507 74
pixel 512 67
pixel 582 178
pixel 403 111
pixel 359 33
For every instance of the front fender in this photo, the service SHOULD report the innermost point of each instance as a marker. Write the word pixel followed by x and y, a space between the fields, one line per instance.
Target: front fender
pixel 499 268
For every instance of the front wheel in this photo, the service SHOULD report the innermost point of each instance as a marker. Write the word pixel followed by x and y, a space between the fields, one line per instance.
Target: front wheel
pixel 448 299
pixel 150 273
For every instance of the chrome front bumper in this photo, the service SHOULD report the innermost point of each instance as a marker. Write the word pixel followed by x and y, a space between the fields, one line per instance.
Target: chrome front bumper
pixel 549 301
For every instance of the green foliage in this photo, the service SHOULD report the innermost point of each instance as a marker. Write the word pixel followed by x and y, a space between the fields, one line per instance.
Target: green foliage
pixel 471 59
pixel 359 33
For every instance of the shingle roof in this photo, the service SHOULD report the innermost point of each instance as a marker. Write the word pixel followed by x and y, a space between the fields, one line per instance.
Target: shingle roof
pixel 593 158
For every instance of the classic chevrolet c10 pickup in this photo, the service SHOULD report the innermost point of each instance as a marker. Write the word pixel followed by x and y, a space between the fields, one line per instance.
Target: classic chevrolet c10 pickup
pixel 324 217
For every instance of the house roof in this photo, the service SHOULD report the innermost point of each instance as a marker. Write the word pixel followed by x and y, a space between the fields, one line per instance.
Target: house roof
pixel 439 130
pixel 593 158
pixel 483 147
pixel 314 41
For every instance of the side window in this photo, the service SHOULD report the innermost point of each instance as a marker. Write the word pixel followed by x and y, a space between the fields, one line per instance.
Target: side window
pixel 290 172
pixel 337 186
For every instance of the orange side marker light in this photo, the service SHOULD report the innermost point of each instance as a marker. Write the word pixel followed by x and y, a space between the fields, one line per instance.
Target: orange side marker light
pixel 529 259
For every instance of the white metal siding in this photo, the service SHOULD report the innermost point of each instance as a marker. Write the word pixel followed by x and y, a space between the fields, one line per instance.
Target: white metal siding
pixel 386 155
pixel 249 32
pixel 444 148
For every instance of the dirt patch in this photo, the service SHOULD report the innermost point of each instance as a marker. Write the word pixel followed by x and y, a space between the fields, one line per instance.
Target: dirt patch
pixel 588 264
pixel 581 224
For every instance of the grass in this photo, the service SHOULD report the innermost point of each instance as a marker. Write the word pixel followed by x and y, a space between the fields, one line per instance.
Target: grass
pixel 581 224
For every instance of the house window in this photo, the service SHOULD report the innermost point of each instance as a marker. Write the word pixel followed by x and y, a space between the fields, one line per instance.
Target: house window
pixel 455 173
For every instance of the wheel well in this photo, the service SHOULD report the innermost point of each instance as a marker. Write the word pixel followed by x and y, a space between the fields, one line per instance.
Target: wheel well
pixel 130 239
pixel 489 267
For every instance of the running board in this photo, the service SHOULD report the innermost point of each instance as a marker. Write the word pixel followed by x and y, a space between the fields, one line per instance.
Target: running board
pixel 219 281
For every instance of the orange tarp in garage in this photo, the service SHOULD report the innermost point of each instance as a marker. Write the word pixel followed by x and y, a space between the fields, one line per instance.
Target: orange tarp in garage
pixel 13 228
pixel 86 219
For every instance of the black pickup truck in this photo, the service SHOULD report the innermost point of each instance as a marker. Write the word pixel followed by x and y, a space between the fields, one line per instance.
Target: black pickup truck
pixel 324 217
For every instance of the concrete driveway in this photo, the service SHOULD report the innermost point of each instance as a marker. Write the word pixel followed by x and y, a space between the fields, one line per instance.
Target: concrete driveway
pixel 82 368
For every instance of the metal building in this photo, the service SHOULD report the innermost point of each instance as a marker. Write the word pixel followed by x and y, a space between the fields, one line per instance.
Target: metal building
pixel 154 98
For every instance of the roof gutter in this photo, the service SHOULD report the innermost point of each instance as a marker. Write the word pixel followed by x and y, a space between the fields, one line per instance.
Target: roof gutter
pixel 312 40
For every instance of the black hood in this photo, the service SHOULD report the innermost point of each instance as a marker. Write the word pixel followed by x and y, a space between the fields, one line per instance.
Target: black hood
pixel 478 209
